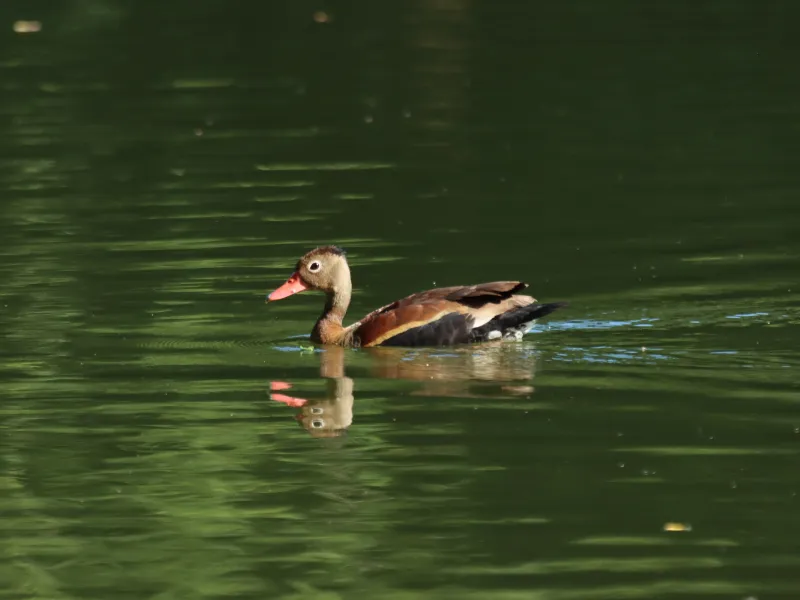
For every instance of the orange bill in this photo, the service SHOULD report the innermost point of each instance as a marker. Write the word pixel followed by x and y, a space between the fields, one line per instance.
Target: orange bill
pixel 292 286
pixel 289 400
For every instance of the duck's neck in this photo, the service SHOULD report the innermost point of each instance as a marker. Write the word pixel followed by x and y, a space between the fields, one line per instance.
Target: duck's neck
pixel 329 328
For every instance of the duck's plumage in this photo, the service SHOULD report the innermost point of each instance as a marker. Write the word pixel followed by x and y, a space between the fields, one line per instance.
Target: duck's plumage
pixel 437 317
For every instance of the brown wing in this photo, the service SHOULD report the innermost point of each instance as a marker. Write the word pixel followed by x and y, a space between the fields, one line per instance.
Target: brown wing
pixel 478 295
pixel 439 316
pixel 402 316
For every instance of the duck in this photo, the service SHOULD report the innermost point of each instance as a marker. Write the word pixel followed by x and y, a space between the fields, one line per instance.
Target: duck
pixel 445 316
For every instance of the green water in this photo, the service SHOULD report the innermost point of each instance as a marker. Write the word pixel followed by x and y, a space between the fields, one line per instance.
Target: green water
pixel 166 435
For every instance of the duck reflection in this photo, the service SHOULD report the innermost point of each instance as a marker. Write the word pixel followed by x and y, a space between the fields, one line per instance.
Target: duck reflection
pixel 321 417
pixel 498 370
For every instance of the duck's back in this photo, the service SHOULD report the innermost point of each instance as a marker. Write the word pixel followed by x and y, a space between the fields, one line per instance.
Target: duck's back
pixel 449 316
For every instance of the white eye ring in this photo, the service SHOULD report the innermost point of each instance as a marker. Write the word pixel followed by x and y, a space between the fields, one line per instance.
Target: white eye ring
pixel 314 266
pixel 317 424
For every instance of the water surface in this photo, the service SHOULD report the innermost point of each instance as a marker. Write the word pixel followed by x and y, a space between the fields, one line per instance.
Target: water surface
pixel 165 434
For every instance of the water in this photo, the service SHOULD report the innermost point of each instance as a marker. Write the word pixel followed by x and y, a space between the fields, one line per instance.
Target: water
pixel 165 434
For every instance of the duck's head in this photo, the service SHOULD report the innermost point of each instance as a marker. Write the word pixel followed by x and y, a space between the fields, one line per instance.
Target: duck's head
pixel 324 269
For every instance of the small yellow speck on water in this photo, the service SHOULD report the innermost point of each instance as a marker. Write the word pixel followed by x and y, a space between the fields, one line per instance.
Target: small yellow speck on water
pixel 27 26
pixel 518 389
pixel 677 527
pixel 321 16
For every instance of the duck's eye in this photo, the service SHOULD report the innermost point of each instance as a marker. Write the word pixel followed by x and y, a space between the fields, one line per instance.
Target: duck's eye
pixel 317 424
pixel 314 266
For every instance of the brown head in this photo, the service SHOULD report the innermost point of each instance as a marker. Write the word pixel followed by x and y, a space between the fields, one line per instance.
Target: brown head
pixel 324 269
